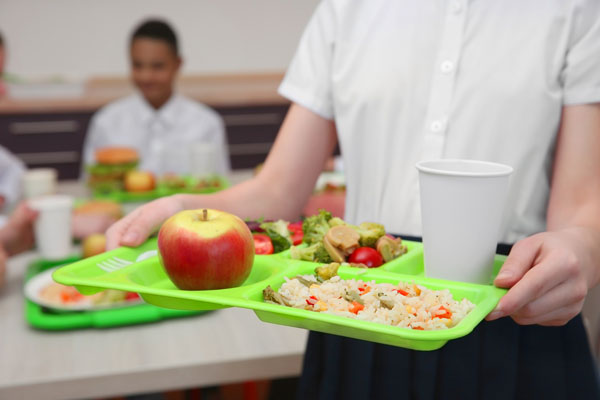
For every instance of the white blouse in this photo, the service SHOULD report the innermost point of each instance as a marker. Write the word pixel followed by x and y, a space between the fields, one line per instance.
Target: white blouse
pixel 164 138
pixel 411 80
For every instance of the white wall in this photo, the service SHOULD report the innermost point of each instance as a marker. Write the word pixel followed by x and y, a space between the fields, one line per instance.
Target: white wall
pixel 77 39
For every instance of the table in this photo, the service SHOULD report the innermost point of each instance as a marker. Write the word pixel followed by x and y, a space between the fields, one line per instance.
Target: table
pixel 229 345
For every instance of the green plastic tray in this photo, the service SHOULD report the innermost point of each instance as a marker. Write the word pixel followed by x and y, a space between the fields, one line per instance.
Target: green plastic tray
pixel 121 196
pixel 150 280
pixel 46 319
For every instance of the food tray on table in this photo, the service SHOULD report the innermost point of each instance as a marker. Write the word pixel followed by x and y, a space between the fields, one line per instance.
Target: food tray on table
pixel 46 318
pixel 162 189
pixel 149 279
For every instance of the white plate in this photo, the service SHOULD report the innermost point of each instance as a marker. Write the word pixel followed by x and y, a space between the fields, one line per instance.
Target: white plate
pixel 34 286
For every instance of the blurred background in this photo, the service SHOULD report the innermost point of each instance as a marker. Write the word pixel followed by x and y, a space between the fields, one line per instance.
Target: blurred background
pixel 66 59
pixel 64 62
pixel 80 40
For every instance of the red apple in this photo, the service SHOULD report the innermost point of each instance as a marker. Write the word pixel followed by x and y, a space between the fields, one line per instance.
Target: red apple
pixel 206 249
pixel 139 181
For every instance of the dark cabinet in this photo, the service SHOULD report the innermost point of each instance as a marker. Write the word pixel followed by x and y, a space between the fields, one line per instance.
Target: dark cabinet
pixel 46 140
pixel 251 132
pixel 56 139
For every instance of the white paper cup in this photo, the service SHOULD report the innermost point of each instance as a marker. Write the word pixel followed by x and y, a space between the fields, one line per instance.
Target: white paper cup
pixel 175 159
pixel 203 159
pixel 52 228
pixel 39 182
pixel 462 204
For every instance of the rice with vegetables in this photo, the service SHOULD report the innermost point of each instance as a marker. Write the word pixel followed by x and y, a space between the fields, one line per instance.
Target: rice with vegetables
pixel 404 305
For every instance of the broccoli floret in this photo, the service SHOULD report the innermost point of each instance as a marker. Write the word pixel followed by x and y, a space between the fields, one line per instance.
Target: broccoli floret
pixel 315 227
pixel 390 248
pixel 369 233
pixel 304 253
pixel 280 227
pixel 322 256
pixel 314 252
pixel 280 243
pixel 279 234
pixel 335 221
pixel 326 272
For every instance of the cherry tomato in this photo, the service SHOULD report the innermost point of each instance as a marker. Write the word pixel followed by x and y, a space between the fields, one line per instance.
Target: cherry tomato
pixel 297 237
pixel 262 244
pixel 366 255
pixel 296 233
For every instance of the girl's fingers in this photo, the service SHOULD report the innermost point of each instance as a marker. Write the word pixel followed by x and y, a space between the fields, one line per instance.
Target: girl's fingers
pixel 518 262
pixel 551 271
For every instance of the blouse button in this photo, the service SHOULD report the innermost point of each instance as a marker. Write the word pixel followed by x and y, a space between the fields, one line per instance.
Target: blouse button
pixel 436 126
pixel 447 66
pixel 456 7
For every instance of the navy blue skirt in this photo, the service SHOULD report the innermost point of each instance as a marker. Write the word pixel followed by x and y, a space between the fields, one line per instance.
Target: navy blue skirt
pixel 498 360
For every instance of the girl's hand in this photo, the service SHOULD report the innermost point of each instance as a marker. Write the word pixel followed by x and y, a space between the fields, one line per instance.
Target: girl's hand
pixel 17 235
pixel 134 229
pixel 549 275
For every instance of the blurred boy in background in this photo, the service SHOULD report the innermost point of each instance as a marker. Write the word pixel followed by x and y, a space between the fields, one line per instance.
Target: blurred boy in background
pixel 156 121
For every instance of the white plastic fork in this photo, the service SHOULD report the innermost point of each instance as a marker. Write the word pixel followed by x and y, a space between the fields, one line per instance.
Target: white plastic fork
pixel 115 263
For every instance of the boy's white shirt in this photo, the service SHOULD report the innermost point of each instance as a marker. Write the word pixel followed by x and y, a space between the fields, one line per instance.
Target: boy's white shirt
pixel 163 138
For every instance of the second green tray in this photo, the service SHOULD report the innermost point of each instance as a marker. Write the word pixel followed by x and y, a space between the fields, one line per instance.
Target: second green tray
pixel 161 190
pixel 46 319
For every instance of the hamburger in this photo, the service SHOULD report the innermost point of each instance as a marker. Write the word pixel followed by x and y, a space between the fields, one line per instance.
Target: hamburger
pixel 100 207
pixel 112 163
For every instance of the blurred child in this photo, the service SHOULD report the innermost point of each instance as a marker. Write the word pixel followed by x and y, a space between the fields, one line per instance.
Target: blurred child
pixel 11 172
pixel 157 119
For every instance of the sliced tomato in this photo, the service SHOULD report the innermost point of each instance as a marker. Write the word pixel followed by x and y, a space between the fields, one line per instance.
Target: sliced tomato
pixel 366 255
pixel 70 295
pixel 64 297
pixel 131 296
pixel 262 244
pixel 296 232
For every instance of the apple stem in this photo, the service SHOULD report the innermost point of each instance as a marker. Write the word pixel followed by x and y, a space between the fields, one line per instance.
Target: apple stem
pixel 204 214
